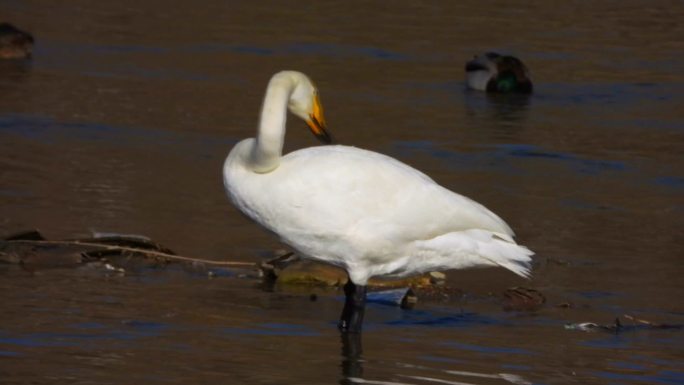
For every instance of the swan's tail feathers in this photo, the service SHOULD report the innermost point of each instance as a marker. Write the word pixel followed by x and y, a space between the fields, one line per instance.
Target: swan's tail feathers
pixel 521 264
pixel 473 248
pixel 501 249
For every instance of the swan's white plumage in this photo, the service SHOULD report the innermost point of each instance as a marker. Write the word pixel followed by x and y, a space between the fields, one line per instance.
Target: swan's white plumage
pixel 361 210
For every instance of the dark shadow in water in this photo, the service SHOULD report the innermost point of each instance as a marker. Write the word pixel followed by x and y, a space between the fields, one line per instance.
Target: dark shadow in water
pixel 505 110
pixel 509 107
pixel 15 70
pixel 351 358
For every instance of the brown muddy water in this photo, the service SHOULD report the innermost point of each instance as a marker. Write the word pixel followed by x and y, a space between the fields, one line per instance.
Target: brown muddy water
pixel 121 122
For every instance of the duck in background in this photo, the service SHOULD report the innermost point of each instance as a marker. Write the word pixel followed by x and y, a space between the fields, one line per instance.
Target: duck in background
pixel 14 43
pixel 497 73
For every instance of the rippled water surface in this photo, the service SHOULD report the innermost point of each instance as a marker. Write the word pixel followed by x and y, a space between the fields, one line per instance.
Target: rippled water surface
pixel 121 122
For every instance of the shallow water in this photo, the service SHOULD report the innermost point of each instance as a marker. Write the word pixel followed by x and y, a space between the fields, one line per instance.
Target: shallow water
pixel 123 118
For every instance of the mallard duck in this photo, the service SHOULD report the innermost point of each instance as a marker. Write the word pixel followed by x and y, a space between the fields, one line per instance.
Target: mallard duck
pixel 493 72
pixel 14 43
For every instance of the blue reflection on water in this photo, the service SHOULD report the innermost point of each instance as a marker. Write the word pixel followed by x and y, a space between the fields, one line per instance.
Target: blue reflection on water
pixel 93 332
pixel 273 329
pixel 674 182
pixel 498 156
pixel 486 349
pixel 661 377
pixel 443 319
pixel 51 131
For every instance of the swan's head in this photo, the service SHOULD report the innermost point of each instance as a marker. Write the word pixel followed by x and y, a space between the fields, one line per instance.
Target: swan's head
pixel 306 104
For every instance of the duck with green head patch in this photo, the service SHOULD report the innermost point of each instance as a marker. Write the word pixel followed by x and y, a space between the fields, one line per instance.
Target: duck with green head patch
pixel 497 73
pixel 14 43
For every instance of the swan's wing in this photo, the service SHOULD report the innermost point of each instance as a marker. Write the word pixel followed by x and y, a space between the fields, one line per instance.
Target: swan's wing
pixel 345 191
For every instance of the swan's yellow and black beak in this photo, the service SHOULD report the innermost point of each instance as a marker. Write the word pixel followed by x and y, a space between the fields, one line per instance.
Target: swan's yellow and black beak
pixel 316 122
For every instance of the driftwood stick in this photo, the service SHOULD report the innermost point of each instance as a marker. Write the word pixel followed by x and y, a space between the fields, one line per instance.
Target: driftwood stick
pixel 140 251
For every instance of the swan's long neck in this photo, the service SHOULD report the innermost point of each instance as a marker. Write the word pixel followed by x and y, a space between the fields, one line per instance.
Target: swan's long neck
pixel 268 149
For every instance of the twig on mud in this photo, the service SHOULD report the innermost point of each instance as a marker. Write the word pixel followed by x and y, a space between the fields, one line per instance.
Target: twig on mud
pixel 150 253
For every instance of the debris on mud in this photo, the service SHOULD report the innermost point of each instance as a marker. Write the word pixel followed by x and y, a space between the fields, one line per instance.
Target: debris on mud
pixel 404 297
pixel 32 251
pixel 618 326
pixel 122 253
pixel 523 299
pixel 289 269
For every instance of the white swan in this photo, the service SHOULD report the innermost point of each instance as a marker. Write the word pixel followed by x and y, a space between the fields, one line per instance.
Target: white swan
pixel 363 211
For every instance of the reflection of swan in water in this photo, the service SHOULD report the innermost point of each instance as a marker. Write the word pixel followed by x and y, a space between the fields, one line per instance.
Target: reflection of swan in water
pixel 352 366
pixel 492 72
pixel 14 43
pixel 352 370
pixel 363 211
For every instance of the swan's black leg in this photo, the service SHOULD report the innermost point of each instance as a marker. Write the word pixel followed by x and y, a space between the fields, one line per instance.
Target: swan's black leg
pixel 354 307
